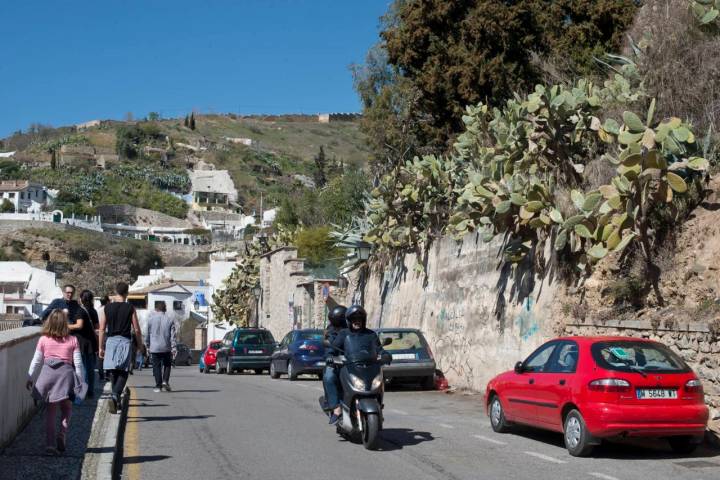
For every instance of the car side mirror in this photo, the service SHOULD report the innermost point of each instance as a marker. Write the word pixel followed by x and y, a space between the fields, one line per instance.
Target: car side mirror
pixel 387 341
pixel 519 367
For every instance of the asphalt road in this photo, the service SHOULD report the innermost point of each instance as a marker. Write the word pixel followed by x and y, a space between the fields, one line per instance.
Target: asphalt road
pixel 249 426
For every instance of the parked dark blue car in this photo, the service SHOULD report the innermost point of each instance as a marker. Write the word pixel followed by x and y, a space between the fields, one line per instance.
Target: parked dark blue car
pixel 300 352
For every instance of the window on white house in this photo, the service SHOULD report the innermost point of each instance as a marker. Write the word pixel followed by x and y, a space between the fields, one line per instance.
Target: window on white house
pixel 177 305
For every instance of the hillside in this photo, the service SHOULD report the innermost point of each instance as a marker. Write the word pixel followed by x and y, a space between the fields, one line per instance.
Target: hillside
pixel 280 147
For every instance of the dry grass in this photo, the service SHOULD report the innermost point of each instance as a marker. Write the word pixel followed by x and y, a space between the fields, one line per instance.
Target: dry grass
pixel 682 63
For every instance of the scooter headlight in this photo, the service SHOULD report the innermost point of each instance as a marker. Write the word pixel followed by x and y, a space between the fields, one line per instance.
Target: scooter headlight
pixel 377 382
pixel 357 383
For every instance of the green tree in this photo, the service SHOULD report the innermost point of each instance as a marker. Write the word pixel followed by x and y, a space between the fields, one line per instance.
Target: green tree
pixel 320 168
pixel 287 215
pixel 7 206
pixel 344 197
pixel 153 116
pixel 191 123
pixel 437 57
pixel 316 246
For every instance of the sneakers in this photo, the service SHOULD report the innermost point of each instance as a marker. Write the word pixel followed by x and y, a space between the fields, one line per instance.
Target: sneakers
pixel 112 404
pixel 334 419
pixel 157 390
pixel 61 443
pixel 166 386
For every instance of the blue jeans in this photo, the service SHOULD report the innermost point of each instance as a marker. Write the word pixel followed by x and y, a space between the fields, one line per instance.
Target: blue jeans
pixel 88 360
pixel 331 383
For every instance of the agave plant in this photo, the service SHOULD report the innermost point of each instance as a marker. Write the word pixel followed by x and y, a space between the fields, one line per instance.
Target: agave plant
pixel 705 11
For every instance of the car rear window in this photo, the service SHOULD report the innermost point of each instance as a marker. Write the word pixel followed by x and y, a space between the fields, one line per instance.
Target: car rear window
pixel 402 341
pixel 216 345
pixel 629 356
pixel 254 338
pixel 310 335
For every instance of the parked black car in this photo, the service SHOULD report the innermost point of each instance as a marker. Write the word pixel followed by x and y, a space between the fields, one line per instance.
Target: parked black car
pixel 245 349
pixel 299 352
pixel 412 359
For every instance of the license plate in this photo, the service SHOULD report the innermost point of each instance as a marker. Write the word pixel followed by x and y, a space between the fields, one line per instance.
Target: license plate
pixel 255 351
pixel 656 394
pixel 319 364
pixel 404 356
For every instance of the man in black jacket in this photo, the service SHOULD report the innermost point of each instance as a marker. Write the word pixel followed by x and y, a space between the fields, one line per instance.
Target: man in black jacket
pixel 331 384
pixel 66 303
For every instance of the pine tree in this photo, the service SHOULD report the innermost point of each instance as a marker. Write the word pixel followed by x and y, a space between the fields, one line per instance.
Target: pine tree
pixel 192 121
pixel 320 167
pixel 186 121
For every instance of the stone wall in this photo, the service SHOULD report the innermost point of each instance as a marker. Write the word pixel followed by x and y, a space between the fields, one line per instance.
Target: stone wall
pixel 693 341
pixel 130 215
pixel 16 406
pixel 478 319
pixel 280 272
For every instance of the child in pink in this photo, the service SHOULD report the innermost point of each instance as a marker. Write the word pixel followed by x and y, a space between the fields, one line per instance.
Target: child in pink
pixel 58 358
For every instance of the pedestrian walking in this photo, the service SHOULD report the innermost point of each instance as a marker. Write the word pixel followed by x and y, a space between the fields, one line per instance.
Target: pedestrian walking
pixel 88 321
pixel 67 304
pixel 161 344
pixel 140 357
pixel 101 371
pixel 120 319
pixel 58 358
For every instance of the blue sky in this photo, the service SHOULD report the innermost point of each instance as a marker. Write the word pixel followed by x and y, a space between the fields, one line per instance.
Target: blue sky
pixel 65 62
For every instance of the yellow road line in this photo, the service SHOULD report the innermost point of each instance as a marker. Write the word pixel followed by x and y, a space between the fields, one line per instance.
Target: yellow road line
pixel 132 440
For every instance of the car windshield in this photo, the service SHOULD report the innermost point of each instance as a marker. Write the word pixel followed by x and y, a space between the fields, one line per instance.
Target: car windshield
pixel 254 338
pixel 629 356
pixel 402 341
pixel 216 345
pixel 314 335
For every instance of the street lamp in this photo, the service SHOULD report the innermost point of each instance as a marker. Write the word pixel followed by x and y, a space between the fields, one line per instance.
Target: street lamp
pixel 363 251
pixel 196 304
pixel 257 291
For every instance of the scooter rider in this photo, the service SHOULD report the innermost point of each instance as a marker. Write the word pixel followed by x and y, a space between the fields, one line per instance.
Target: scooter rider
pixel 357 320
pixel 331 384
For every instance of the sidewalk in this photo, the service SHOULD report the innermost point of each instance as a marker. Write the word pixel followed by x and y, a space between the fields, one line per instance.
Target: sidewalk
pixel 91 440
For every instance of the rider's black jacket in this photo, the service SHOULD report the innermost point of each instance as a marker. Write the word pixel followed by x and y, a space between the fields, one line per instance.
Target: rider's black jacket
pixel 365 342
pixel 331 334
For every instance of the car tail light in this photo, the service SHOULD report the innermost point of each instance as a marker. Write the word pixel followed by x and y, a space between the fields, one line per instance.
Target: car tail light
pixel 232 350
pixel 694 386
pixel 609 385
pixel 305 346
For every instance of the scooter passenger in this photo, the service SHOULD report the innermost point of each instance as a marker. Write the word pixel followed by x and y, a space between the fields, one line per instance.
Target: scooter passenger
pixel 364 340
pixel 331 383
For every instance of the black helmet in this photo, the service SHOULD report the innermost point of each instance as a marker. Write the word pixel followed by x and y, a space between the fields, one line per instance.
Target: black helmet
pixel 337 317
pixel 356 312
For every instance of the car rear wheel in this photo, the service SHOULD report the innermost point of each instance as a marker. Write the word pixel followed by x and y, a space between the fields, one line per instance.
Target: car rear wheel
pixel 683 445
pixel 206 369
pixel 292 372
pixel 497 416
pixel 577 437
pixel 428 382
pixel 273 373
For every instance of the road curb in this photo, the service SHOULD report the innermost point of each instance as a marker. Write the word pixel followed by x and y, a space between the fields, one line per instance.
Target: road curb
pixel 104 448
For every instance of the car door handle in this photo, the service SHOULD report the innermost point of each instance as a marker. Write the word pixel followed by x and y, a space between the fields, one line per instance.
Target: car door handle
pixel 531 381
pixel 562 382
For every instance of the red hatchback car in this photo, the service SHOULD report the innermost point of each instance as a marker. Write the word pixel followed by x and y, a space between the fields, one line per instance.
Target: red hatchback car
pixel 210 355
pixel 591 388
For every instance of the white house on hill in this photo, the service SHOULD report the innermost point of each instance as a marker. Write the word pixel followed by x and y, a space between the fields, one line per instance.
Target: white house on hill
pixel 25 291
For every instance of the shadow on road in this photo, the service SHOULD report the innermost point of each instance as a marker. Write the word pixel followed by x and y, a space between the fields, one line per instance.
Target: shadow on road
pixel 398 438
pixel 621 449
pixel 169 418
pixel 144 458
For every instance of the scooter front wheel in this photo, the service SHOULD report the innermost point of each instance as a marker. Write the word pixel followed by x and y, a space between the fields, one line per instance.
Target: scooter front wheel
pixel 371 431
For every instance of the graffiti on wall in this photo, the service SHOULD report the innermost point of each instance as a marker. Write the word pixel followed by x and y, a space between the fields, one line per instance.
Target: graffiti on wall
pixel 526 322
pixel 451 319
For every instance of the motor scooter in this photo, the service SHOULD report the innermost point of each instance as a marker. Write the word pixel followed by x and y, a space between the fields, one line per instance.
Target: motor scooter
pixel 361 400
